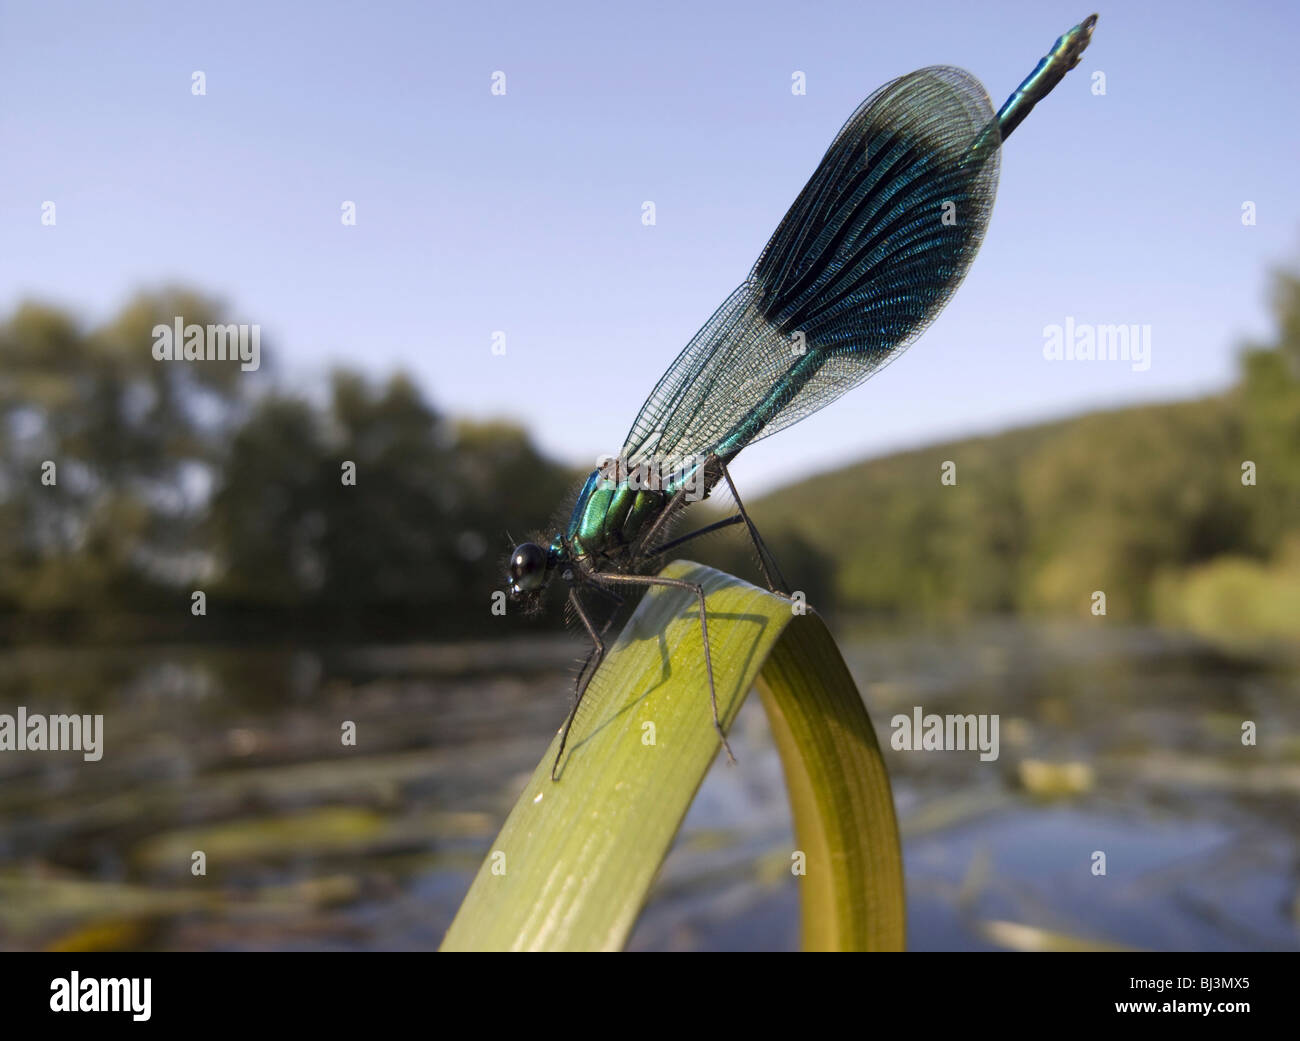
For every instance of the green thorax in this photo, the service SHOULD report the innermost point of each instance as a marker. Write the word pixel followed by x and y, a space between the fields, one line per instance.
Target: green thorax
pixel 611 515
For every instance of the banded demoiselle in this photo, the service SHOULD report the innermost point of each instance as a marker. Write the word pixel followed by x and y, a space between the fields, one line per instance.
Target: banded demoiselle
pixel 871 250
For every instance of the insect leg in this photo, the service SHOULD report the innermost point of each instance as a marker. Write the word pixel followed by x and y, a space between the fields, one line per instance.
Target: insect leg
pixel 726 522
pixel 584 677
pixel 677 583
pixel 663 518
pixel 757 539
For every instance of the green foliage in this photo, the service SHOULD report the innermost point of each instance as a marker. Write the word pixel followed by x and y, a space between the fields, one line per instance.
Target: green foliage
pixel 124 432
pixel 1235 600
pixel 1269 398
pixel 1116 498
pixel 424 525
pixel 171 477
pixel 1038 518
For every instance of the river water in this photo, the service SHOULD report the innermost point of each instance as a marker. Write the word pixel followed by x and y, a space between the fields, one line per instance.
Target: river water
pixel 1120 741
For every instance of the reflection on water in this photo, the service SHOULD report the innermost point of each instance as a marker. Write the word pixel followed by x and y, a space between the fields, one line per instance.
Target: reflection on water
pixel 1126 742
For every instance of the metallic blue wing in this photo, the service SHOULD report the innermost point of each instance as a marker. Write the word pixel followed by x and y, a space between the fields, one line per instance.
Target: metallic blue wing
pixel 871 250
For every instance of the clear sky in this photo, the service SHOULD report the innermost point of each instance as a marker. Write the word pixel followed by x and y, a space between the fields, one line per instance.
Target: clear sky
pixel 522 212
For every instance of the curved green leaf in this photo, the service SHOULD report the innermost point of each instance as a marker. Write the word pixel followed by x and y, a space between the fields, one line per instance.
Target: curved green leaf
pixel 575 861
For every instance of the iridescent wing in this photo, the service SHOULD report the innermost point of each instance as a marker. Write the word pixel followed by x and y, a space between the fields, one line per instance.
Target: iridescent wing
pixel 871 250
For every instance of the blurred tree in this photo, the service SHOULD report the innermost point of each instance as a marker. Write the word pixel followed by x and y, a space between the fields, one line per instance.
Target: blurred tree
pixel 1118 497
pixel 169 475
pixel 1270 418
pixel 266 511
pixel 419 537
pixel 129 451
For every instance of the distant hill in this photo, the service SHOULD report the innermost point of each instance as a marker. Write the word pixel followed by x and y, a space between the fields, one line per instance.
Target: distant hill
pixel 1131 502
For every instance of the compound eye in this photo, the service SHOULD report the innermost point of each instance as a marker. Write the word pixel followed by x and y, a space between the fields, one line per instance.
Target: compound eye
pixel 527 567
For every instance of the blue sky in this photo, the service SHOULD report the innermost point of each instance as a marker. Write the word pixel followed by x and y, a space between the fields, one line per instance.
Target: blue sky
pixel 522 213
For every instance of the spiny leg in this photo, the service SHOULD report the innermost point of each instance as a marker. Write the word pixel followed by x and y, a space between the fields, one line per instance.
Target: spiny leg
pixel 726 522
pixel 698 590
pixel 584 677
pixel 760 547
pixel 665 516
pixel 756 538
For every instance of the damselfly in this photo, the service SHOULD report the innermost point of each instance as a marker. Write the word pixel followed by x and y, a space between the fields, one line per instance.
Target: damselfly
pixel 871 250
